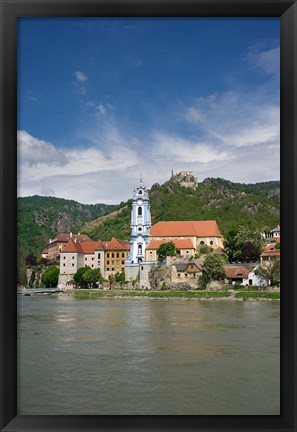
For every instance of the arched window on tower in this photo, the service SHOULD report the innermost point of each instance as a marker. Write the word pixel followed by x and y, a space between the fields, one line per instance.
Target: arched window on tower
pixel 139 249
pixel 139 211
pixel 140 192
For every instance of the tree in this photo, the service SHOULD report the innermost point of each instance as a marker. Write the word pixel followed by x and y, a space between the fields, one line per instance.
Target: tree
pixel 89 277
pixel 50 277
pixel 244 243
pixel 98 276
pixel 214 267
pixel 270 272
pixel 166 249
pixel 120 277
pixel 78 276
pixel 31 260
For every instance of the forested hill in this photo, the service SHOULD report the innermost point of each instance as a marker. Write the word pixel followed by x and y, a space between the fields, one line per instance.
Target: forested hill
pixel 41 218
pixel 230 204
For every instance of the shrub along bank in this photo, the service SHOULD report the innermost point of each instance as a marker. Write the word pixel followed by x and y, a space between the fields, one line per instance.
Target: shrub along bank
pixel 201 294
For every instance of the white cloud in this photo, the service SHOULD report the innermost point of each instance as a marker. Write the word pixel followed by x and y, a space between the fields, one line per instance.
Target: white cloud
pixel 80 76
pixel 194 115
pixel 186 151
pixel 33 151
pixel 101 108
pixel 265 60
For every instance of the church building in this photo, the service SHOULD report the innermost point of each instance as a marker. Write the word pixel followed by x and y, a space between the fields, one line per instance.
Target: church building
pixel 136 265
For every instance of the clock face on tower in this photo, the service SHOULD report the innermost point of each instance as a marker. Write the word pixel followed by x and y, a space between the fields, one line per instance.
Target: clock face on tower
pixel 139 202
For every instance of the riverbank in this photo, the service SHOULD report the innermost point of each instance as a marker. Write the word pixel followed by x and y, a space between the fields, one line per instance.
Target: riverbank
pixel 231 295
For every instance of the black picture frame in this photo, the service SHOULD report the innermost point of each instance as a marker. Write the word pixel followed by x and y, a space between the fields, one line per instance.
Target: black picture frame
pixel 10 11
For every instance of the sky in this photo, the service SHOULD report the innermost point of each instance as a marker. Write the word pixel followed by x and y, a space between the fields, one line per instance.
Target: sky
pixel 103 101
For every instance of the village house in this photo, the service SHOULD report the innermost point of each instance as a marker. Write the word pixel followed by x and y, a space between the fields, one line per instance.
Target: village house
pixel 57 245
pixel 235 274
pixel 253 279
pixel 271 252
pixel 272 234
pixel 108 256
pixel 188 272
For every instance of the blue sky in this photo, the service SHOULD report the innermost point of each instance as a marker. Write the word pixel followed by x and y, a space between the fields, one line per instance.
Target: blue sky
pixel 102 100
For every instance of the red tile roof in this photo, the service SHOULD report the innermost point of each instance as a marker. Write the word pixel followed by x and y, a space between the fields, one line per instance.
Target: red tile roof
pixel 90 247
pixel 185 228
pixel 179 244
pixel 236 272
pixel 271 253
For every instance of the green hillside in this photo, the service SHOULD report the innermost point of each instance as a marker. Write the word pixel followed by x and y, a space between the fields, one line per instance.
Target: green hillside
pixel 230 204
pixel 41 218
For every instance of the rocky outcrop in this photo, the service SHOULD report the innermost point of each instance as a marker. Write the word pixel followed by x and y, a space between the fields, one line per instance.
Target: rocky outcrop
pixel 185 179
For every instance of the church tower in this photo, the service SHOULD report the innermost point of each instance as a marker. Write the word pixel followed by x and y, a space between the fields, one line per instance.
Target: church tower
pixel 140 229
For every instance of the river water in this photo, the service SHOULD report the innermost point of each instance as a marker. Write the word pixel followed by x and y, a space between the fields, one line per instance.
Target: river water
pixel 145 356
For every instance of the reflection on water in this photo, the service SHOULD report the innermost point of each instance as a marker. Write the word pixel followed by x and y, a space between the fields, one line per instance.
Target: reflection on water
pixel 143 357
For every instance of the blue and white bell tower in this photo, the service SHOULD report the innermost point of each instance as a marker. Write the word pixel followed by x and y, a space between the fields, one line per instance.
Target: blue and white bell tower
pixel 140 230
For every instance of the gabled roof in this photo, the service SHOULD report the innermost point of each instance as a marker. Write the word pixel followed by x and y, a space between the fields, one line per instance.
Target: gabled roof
pixel 83 248
pixel 271 253
pixel 115 244
pixel 185 228
pixel 90 247
pixel 236 272
pixel 276 229
pixel 181 267
pixel 179 244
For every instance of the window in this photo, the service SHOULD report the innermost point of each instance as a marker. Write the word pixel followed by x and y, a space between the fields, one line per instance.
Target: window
pixel 139 211
pixel 107 255
pixel 211 242
pixel 112 255
pixel 73 265
pixel 122 269
pixel 118 255
pixel 123 254
pixel 72 257
pixel 92 265
pixel 139 229
pixel 202 243
pixel 140 192
pixel 123 262
pixel 151 253
pixel 178 274
pixel 107 262
pixel 64 257
pixel 92 259
pixel 141 267
pixel 112 268
pixel 107 269
pixel 64 265
pixel 99 256
pixel 86 259
pixel 186 275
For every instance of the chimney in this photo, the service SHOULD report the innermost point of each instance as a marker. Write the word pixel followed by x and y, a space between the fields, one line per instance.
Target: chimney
pixel 50 240
pixel 71 235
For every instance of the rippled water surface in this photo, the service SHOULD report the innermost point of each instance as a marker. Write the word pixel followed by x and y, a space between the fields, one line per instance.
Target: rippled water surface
pixel 128 356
